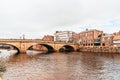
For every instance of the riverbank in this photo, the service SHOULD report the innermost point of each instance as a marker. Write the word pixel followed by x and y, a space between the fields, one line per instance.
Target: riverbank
pixel 100 49
pixel 2 70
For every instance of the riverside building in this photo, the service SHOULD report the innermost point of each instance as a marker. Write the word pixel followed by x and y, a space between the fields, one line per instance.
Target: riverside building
pixel 116 39
pixel 107 40
pixel 63 36
pixel 87 37
pixel 48 38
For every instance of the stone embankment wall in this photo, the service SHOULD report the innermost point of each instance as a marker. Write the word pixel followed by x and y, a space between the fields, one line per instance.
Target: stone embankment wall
pixel 100 49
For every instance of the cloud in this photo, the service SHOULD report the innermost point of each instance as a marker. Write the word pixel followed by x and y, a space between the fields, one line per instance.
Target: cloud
pixel 35 18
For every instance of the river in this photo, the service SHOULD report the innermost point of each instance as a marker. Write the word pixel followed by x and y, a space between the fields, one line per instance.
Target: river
pixel 63 66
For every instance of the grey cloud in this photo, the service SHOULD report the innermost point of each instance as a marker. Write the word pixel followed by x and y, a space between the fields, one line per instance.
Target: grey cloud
pixel 39 17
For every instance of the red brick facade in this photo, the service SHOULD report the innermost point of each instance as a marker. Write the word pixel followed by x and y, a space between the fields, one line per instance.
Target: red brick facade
pixel 76 37
pixel 48 38
pixel 107 40
pixel 87 37
pixel 116 39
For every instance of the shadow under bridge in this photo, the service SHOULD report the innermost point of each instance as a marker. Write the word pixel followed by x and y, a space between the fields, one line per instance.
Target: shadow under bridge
pixel 9 47
pixel 42 47
pixel 66 48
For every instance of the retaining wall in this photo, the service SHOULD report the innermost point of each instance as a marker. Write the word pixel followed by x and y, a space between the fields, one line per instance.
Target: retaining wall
pixel 101 49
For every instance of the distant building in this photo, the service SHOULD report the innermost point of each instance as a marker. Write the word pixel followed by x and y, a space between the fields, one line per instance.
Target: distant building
pixel 116 33
pixel 76 37
pixel 116 39
pixel 63 36
pixel 107 40
pixel 87 37
pixel 48 38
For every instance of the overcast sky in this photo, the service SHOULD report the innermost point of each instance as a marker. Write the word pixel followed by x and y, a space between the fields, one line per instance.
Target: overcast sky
pixel 35 18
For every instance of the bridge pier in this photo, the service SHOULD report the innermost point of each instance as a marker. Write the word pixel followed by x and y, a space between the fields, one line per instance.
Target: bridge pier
pixel 22 51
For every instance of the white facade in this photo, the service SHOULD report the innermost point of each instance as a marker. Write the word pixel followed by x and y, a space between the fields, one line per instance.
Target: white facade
pixel 116 43
pixel 63 36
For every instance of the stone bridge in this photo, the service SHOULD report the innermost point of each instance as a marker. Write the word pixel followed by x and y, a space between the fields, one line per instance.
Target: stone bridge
pixel 24 44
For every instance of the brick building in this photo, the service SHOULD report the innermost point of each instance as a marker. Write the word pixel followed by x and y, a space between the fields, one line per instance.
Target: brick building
pixel 116 39
pixel 48 38
pixel 87 37
pixel 76 37
pixel 107 40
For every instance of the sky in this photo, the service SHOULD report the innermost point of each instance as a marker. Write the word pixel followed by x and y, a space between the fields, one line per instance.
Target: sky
pixel 36 18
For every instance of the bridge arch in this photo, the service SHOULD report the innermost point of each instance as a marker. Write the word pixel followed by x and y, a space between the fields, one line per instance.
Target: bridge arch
pixel 66 48
pixel 49 47
pixel 13 47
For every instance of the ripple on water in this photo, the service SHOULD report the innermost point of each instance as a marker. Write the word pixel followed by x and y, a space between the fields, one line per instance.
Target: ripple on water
pixel 60 66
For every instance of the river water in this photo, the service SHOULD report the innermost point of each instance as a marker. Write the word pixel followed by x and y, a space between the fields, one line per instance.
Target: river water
pixel 63 66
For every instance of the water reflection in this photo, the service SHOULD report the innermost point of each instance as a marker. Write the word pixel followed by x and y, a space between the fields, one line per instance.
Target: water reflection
pixel 35 52
pixel 61 66
pixel 4 53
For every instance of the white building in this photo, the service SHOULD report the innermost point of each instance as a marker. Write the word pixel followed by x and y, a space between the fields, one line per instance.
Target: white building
pixel 63 36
